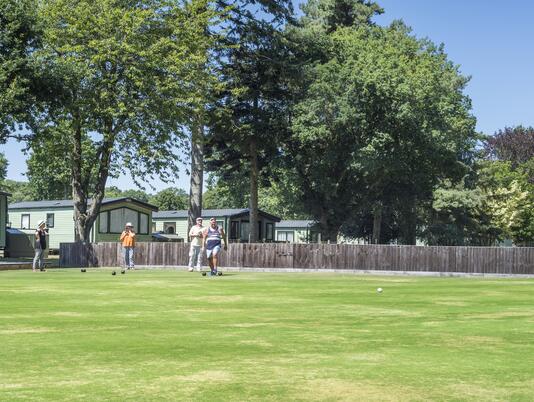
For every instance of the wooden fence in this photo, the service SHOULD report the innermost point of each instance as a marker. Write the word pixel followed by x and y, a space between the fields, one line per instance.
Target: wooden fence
pixel 475 260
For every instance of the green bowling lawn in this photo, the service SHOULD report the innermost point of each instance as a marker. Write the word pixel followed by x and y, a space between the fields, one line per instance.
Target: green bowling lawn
pixel 166 335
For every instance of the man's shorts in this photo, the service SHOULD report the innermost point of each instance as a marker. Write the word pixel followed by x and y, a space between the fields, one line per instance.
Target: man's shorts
pixel 213 252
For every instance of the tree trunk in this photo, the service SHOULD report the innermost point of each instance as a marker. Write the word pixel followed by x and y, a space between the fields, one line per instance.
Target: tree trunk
pixel 329 232
pixel 253 215
pixel 377 223
pixel 85 216
pixel 78 196
pixel 197 173
pixel 409 221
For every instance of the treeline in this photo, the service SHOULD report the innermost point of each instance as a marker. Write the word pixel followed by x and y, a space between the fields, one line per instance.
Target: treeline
pixel 365 129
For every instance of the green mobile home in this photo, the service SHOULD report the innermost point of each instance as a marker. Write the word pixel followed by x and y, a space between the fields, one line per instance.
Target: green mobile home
pixel 235 223
pixel 58 214
pixel 3 218
pixel 297 231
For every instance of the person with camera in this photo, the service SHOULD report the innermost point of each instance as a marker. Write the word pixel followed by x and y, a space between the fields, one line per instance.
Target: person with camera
pixel 128 244
pixel 40 247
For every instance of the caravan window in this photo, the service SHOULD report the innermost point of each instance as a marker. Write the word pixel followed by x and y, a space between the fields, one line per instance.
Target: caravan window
pixel 118 218
pixel 113 221
pixel 234 229
pixel 131 216
pixel 285 235
pixel 169 227
pixel 116 221
pixel 103 228
pixel 270 231
pixel 245 231
pixel 143 223
pixel 50 220
pixel 25 221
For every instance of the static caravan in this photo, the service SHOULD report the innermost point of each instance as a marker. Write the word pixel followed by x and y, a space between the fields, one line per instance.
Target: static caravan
pixel 58 214
pixel 3 218
pixel 297 231
pixel 235 223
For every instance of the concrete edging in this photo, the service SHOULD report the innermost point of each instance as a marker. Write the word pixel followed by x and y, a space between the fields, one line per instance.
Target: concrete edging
pixel 351 271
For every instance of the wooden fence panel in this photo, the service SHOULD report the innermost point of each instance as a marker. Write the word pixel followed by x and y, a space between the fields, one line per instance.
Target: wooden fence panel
pixel 523 265
pixel 479 260
pixel 284 255
pixel 307 256
pixel 252 255
pixel 233 257
pixel 352 258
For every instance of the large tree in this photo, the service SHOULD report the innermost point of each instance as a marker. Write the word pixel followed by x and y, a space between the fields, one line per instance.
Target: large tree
pixel 205 86
pixel 250 114
pixel 125 67
pixel 382 121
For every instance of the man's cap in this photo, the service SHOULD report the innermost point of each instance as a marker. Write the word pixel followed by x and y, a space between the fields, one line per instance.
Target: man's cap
pixel 213 219
pixel 41 222
pixel 129 225
pixel 199 219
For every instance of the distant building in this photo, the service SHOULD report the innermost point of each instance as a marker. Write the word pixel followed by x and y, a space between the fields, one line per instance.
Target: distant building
pixel 297 231
pixel 235 223
pixel 58 214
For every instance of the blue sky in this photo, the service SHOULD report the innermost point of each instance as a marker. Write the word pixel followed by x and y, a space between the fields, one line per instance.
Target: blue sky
pixel 492 41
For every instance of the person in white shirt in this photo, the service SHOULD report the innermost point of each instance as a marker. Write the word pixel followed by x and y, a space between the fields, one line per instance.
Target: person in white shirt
pixel 195 255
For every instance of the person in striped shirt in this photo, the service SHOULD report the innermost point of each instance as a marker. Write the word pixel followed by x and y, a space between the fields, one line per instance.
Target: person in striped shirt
pixel 213 238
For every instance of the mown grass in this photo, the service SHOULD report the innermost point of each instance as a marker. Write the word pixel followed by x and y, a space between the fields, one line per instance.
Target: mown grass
pixel 165 335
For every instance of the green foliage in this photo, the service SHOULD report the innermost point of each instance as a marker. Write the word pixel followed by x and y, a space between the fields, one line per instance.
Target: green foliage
pixel 20 191
pixel 510 196
pixel 170 199
pixel 497 205
pixel 3 167
pixel 115 192
pixel 280 198
pixel 18 86
pixel 128 72
pixel 283 199
pixel 50 163
pixel 330 15
pixel 249 117
pixel 228 192
pixel 460 216
pixel 127 68
pixel 384 119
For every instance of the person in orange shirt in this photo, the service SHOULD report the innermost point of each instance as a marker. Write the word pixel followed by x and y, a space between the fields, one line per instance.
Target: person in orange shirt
pixel 128 245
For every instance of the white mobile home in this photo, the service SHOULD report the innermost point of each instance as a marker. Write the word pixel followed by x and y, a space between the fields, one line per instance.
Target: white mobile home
pixel 58 214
